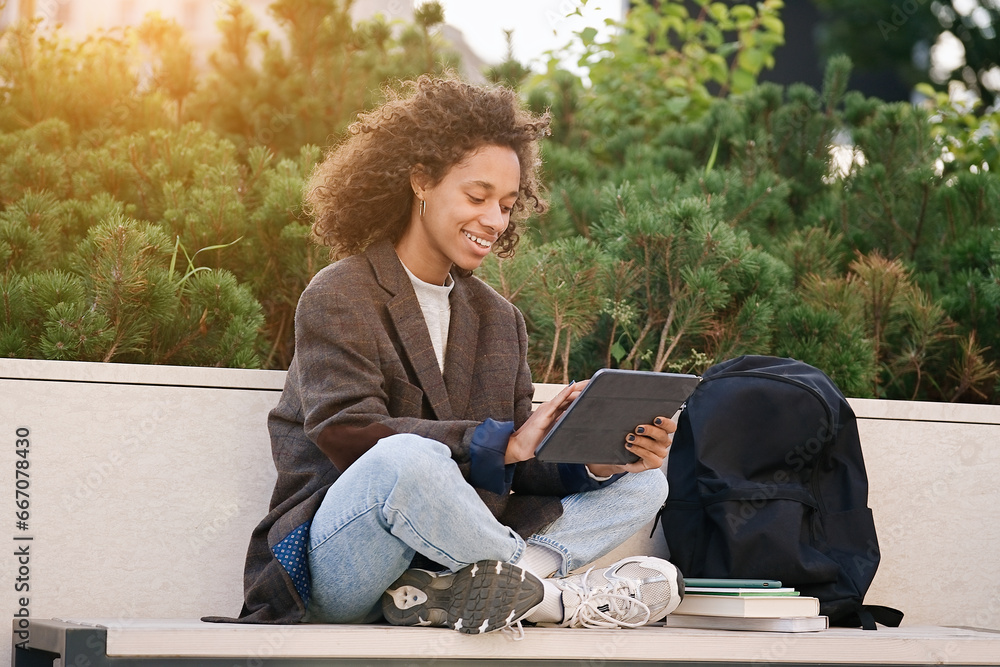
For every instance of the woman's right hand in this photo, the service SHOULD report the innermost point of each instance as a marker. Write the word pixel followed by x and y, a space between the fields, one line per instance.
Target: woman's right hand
pixel 525 440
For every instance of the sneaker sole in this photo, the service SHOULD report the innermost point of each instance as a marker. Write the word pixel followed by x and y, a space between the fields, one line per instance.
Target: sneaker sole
pixel 482 597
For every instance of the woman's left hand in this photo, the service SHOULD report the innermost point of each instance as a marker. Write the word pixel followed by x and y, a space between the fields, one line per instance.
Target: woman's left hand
pixel 650 442
pixel 523 442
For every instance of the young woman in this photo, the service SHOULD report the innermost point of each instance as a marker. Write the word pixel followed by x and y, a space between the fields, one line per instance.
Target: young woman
pixel 406 420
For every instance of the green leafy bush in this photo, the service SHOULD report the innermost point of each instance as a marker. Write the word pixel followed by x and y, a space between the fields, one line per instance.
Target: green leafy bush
pixel 813 224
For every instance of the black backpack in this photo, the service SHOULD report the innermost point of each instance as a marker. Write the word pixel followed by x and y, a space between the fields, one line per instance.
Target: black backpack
pixel 767 481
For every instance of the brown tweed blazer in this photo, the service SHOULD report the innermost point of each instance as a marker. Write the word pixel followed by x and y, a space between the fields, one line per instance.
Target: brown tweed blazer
pixel 364 368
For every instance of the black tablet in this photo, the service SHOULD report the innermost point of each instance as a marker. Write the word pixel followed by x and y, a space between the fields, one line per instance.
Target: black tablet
pixel 594 426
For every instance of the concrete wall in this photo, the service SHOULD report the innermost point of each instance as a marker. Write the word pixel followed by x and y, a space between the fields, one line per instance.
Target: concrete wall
pixel 145 482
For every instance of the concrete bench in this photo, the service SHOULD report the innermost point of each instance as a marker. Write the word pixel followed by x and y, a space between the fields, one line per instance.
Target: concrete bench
pixel 145 482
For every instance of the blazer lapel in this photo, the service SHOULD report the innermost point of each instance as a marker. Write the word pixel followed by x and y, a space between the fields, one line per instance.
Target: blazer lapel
pixel 404 310
pixel 463 334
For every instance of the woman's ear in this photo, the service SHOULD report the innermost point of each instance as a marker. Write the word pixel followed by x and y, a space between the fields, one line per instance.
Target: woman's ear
pixel 420 181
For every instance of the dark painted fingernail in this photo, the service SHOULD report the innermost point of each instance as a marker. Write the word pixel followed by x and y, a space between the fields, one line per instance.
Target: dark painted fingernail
pixel 640 430
pixel 657 421
pixel 630 438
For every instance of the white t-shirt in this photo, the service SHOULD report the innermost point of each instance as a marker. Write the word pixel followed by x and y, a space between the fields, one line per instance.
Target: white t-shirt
pixel 436 307
pixel 435 304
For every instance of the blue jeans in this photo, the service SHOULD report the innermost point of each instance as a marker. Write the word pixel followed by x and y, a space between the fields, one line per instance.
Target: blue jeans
pixel 407 495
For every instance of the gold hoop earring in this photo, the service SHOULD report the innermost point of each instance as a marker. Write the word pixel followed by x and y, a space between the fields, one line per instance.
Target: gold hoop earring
pixel 423 207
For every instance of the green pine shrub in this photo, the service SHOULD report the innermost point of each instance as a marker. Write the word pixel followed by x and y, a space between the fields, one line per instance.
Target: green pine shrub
pixel 117 297
pixel 151 211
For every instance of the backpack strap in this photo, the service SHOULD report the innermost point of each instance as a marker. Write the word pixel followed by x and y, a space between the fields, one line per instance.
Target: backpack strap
pixel 870 614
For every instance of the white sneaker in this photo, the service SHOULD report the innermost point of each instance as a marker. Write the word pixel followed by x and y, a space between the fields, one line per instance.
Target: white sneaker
pixel 630 593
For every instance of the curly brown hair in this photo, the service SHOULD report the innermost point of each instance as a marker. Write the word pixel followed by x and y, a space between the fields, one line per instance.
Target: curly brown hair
pixel 361 191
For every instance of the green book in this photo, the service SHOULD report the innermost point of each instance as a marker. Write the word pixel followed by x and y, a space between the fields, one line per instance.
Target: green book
pixel 731 583
pixel 706 590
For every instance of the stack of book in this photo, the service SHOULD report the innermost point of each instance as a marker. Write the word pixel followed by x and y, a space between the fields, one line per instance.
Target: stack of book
pixel 745 604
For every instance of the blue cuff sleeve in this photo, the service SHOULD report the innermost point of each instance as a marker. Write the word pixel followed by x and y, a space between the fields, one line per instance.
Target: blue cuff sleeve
pixel 576 478
pixel 486 452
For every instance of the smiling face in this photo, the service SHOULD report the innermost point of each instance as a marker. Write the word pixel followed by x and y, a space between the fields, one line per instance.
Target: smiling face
pixel 465 213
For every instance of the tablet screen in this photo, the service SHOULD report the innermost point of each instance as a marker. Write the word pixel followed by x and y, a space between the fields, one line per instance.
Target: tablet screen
pixel 594 426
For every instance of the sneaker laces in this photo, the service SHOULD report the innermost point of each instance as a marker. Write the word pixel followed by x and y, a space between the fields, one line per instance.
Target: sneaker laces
pixel 513 630
pixel 599 603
